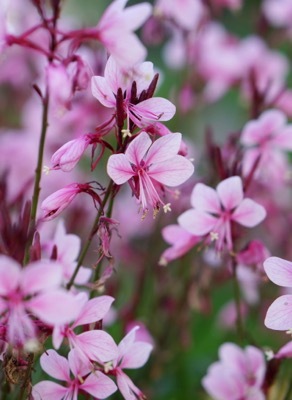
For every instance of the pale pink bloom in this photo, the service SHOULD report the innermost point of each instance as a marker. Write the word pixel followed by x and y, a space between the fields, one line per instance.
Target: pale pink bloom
pixel 181 242
pixel 215 210
pixel 187 13
pixel 33 291
pixel 279 314
pixel 267 138
pixel 60 86
pixel 81 378
pixel 94 344
pixel 115 31
pixel 132 354
pixel 253 255
pixel 58 201
pixel 239 374
pixel 68 248
pixel 278 12
pixel 227 315
pixel 150 166
pixel 67 156
pixel 145 112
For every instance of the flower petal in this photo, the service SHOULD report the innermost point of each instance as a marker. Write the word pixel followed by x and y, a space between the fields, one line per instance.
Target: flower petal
pixel 279 271
pixel 205 198
pixel 154 109
pixel 97 345
pixel 41 276
pixel 102 92
pixel 99 385
pixel 119 169
pixel 55 365
pixel 137 355
pixel 230 192
pixel 137 149
pixel 279 314
pixel 249 213
pixel 47 390
pixel 10 275
pixel 197 222
pixel 164 148
pixel 94 310
pixel 172 172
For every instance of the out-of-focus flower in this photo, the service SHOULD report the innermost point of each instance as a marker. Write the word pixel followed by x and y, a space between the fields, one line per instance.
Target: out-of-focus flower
pixel 115 31
pixel 33 291
pixel 215 210
pixel 238 375
pixel 266 139
pixel 279 314
pixel 150 166
pixel 94 383
pixel 278 12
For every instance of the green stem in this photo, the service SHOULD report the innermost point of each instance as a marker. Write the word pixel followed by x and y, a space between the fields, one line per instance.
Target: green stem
pixel 236 291
pixel 93 230
pixel 38 174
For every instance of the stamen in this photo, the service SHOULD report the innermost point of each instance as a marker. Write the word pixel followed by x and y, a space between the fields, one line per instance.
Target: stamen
pixel 214 236
pixel 46 170
pixel 167 207
pixel 126 133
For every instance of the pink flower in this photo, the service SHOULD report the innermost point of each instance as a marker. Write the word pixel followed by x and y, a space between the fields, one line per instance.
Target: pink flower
pixel 94 383
pixel 267 137
pixel 278 12
pixel 279 314
pixel 145 112
pixel 149 166
pixel 115 31
pixel 215 210
pixel 95 344
pixel 33 291
pixel 181 242
pixel 132 354
pixel 239 374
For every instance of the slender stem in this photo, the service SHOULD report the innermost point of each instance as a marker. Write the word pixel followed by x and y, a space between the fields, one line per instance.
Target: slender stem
pixel 38 174
pixel 236 292
pixel 93 230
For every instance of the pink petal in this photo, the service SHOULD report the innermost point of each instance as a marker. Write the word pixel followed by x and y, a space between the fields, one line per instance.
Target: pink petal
pixel 126 343
pixel 172 172
pixel 10 275
pixel 119 169
pixel 256 364
pixel 137 149
pixel 175 234
pixel 230 192
pixel 279 314
pixel 205 198
pixel 197 222
pixel 283 139
pixel 137 355
pixel 127 387
pixel 285 351
pixel 279 271
pixel 164 148
pixel 94 310
pixel 97 345
pixel 136 15
pixel 99 385
pixel 41 276
pixel 102 92
pixel 233 357
pixel 55 365
pixel 115 79
pixel 47 390
pixel 249 213
pixel 154 109
pixel 56 307
pixel 77 364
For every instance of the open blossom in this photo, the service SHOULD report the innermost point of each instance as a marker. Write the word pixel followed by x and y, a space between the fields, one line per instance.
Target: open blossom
pixel 215 210
pixel 145 112
pixel 92 344
pixel 115 31
pixel 150 166
pixel 33 291
pixel 81 379
pixel 267 138
pixel 278 12
pixel 279 314
pixel 238 375
pixel 132 354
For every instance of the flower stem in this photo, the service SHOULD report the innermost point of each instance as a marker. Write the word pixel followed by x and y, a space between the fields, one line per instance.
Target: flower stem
pixel 38 174
pixel 93 230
